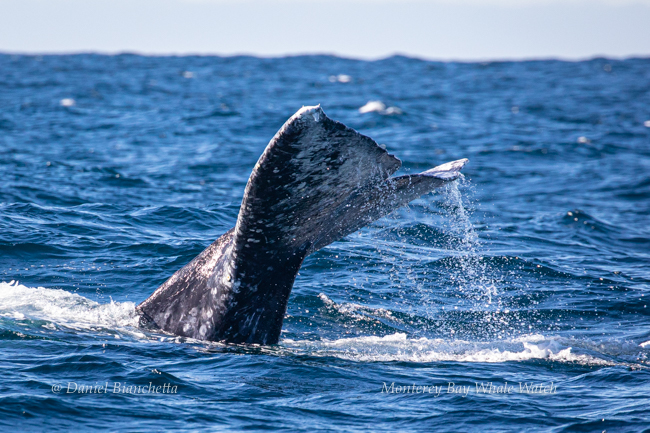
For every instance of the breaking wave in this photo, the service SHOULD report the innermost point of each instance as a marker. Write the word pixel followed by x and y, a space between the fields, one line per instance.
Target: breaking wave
pixel 59 308
pixel 53 309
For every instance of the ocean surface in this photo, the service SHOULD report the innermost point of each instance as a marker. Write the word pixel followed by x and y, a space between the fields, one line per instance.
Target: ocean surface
pixel 515 299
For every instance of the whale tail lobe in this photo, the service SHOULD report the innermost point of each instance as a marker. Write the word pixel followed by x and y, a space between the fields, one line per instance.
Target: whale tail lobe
pixel 316 182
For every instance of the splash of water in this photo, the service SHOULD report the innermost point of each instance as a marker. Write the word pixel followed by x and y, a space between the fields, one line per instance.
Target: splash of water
pixel 58 307
pixel 443 279
pixel 398 347
pixel 472 275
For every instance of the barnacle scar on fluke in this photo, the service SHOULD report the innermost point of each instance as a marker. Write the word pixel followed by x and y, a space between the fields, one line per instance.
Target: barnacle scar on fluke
pixel 316 182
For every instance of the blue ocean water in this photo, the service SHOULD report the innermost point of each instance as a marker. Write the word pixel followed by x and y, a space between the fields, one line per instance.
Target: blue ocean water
pixel 514 299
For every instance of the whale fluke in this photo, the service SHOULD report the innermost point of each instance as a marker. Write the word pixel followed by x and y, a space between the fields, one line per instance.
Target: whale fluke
pixel 316 182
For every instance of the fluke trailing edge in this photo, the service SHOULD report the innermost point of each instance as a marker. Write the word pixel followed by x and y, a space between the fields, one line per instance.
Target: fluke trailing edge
pixel 316 182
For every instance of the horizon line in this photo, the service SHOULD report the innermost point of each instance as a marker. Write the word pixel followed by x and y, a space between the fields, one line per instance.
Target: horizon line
pixel 109 53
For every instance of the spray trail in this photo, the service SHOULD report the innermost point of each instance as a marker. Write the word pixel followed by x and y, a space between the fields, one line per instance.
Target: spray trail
pixel 471 274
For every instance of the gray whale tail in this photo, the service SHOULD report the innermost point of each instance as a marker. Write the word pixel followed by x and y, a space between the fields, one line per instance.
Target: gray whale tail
pixel 316 182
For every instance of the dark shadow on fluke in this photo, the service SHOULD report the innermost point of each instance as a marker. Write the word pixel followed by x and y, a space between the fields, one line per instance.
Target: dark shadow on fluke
pixel 316 182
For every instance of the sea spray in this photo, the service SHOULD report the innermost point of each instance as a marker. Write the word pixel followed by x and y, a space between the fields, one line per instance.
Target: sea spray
pixel 470 272
pixel 477 275
pixel 440 270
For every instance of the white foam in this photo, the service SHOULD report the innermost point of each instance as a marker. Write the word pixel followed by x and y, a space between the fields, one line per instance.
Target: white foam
pixel 341 78
pixel 357 311
pixel 59 308
pixel 393 110
pixel 64 308
pixel 379 107
pixel 372 106
pixel 397 347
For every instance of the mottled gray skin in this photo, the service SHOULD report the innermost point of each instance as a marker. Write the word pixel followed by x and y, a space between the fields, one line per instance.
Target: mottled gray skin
pixel 316 182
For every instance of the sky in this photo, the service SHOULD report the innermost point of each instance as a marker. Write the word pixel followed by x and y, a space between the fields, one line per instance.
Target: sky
pixel 368 29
